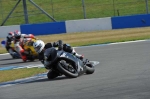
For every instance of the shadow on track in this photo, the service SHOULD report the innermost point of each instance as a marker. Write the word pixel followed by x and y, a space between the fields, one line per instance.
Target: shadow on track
pixel 7 59
pixel 17 62
pixel 11 63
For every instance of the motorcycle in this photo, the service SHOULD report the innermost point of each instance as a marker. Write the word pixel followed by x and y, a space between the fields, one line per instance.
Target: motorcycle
pixel 27 46
pixel 64 63
pixel 14 54
pixel 29 49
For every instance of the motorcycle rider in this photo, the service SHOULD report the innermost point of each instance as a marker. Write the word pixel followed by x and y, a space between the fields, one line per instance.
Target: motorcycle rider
pixel 40 47
pixel 19 38
pixel 9 40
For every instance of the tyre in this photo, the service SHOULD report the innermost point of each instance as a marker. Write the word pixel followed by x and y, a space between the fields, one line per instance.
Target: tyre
pixel 89 69
pixel 16 55
pixel 30 57
pixel 67 69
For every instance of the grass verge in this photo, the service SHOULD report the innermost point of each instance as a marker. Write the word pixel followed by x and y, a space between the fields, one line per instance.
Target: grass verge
pixel 79 39
pixel 8 75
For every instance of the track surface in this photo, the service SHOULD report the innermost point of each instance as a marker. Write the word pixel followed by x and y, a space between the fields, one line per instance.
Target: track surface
pixel 6 60
pixel 123 73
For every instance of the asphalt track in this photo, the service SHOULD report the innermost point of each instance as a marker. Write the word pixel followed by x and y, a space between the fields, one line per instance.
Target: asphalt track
pixel 6 60
pixel 123 73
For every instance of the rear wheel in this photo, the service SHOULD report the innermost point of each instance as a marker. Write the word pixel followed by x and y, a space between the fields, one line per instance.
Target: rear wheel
pixel 67 69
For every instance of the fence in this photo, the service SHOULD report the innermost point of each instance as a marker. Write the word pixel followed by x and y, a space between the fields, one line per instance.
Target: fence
pixel 37 11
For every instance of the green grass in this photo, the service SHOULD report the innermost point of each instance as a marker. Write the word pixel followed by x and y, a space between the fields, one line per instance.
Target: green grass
pixel 8 75
pixel 70 9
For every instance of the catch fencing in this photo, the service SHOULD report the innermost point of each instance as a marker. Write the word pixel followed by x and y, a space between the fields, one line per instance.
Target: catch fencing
pixel 37 11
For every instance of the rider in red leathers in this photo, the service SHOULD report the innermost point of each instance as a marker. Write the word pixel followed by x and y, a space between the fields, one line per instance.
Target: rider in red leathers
pixel 19 38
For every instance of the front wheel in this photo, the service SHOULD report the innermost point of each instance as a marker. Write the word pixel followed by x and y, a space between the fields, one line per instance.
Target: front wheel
pixel 30 58
pixel 16 55
pixel 89 68
pixel 67 69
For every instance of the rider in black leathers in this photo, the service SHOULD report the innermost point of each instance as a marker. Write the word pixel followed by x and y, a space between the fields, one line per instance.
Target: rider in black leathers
pixel 40 47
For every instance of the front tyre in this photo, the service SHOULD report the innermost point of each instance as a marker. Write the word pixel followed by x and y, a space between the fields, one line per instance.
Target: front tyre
pixel 67 69
pixel 89 68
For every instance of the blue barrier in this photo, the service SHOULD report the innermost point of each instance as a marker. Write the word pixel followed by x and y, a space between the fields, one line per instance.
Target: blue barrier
pixel 131 21
pixel 44 28
pixel 60 27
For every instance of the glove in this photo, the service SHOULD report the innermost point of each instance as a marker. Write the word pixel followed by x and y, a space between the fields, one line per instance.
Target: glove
pixel 55 44
pixel 60 44
pixel 60 47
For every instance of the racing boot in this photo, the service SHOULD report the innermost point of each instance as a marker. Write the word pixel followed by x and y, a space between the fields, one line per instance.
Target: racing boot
pixel 77 55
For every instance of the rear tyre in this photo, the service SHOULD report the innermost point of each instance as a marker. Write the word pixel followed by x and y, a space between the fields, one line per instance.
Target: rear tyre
pixel 67 69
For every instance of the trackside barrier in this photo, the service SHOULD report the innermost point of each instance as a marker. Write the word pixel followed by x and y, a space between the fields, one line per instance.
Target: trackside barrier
pixel 44 28
pixel 83 25
pixel 5 29
pixel 88 25
pixel 130 21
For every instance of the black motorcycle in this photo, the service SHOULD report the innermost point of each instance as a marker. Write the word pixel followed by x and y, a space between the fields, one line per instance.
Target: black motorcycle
pixel 64 63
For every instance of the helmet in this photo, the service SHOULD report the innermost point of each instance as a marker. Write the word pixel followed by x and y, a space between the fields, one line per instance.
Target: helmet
pixel 17 34
pixel 10 35
pixel 38 46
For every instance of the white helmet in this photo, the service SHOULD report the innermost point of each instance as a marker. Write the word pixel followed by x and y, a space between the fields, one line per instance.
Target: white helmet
pixel 38 46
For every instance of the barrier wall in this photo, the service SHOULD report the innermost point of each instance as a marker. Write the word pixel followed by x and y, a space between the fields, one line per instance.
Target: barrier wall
pixel 83 25
pixel 44 28
pixel 130 21
pixel 4 30
pixel 88 25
